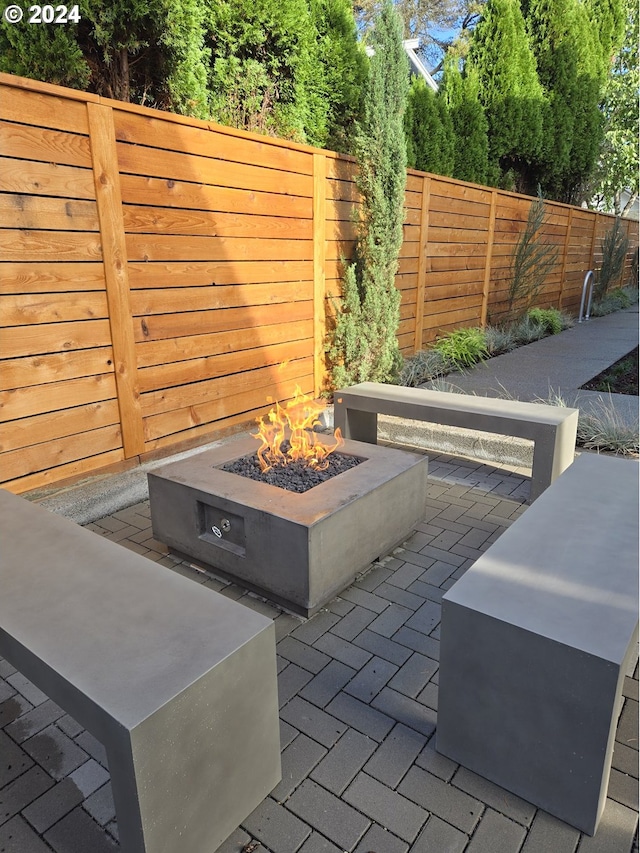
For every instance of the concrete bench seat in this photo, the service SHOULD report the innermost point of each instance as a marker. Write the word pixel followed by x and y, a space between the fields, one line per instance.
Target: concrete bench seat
pixel 176 681
pixel 551 428
pixel 536 638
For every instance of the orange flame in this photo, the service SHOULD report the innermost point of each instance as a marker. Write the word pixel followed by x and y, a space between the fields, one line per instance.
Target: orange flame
pixel 295 421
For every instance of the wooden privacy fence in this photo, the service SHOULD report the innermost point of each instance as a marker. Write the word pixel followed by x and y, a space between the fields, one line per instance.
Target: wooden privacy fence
pixel 163 280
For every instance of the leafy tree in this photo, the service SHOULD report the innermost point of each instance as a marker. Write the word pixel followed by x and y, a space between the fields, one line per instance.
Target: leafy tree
pixel 617 168
pixel 509 91
pixel 429 130
pixel 471 144
pixel 432 21
pixel 364 345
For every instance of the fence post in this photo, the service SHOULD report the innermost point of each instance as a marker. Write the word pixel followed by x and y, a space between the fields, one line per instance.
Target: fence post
pixel 319 271
pixel 114 257
pixel 593 241
pixel 422 261
pixel 487 262
pixel 565 252
pixel 624 262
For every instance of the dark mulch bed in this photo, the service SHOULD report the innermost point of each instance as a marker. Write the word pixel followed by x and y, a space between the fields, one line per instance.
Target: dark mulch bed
pixel 620 378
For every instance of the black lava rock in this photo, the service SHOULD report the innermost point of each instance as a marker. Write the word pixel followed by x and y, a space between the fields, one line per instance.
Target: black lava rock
pixel 295 476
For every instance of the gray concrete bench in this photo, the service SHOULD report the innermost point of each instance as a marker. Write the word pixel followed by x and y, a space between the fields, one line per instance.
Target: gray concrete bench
pixel 176 681
pixel 536 638
pixel 551 428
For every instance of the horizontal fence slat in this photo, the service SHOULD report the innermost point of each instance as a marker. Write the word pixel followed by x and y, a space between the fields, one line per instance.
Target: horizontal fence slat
pixel 53 308
pixel 170 165
pixel 188 274
pixel 173 350
pixel 229 401
pixel 212 142
pixel 46 277
pixel 41 369
pixel 208 391
pixel 47 110
pixel 40 212
pixel 24 402
pixel 41 428
pixel 31 178
pixel 156 326
pixel 47 246
pixel 149 247
pixel 71 471
pixel 197 369
pixel 162 220
pixel 157 192
pixel 49 146
pixel 53 452
pixel 54 337
pixel 166 301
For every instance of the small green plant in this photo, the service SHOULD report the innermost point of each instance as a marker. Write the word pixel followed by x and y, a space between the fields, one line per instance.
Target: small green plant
pixel 600 427
pixel 615 300
pixel 526 331
pixel 549 318
pixel 463 347
pixel 615 246
pixel 422 367
pixel 532 260
pixel 499 340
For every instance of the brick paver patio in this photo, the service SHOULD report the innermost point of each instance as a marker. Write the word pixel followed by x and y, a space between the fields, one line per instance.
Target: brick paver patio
pixel 358 696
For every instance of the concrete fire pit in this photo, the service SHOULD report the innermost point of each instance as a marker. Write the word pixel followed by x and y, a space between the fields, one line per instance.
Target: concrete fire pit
pixel 299 550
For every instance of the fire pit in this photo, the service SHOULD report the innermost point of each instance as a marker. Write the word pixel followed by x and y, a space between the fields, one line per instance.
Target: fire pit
pixel 299 549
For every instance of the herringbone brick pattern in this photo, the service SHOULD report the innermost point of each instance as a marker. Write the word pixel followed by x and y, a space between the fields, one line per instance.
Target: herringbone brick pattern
pixel 358 688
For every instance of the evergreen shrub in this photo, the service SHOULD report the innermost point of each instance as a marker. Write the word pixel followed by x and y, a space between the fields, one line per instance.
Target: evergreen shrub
pixel 363 345
pixel 463 347
pixel 549 318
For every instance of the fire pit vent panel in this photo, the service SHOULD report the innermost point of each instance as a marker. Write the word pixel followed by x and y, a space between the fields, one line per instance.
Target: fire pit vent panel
pixel 297 549
pixel 221 528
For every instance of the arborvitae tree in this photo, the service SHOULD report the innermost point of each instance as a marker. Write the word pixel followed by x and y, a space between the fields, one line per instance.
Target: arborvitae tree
pixel 608 18
pixel 569 59
pixel 510 92
pixel 261 59
pixel 45 52
pixel 589 121
pixel 364 344
pixel 471 144
pixel 146 51
pixel 187 72
pixel 340 71
pixel 429 130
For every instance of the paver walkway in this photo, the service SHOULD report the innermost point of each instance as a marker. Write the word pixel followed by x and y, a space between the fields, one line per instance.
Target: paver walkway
pixel 359 696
